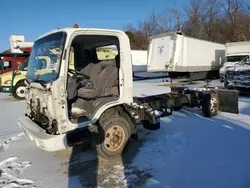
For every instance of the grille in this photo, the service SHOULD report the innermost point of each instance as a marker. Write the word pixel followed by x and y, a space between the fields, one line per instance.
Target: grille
pixel 243 83
pixel 230 73
pixel 234 73
pixel 239 75
pixel 245 73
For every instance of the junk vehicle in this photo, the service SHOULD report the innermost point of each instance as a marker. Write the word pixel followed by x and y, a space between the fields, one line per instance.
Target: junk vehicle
pixel 238 76
pixel 98 100
pixel 13 80
pixel 235 53
pixel 183 56
pixel 19 46
pixel 7 62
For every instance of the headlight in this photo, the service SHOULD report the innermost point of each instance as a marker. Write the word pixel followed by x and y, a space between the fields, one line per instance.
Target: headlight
pixel 8 82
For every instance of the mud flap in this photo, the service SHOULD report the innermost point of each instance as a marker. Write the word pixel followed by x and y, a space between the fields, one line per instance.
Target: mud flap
pixel 228 100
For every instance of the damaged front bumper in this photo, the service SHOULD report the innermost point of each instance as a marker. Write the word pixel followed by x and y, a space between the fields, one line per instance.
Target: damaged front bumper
pixel 241 85
pixel 43 140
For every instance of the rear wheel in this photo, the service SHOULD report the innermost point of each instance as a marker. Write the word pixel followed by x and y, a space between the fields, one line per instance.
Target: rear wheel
pixel 210 105
pixel 113 135
pixel 19 91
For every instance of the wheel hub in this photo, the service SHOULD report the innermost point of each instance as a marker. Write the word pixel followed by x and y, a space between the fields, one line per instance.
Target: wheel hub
pixel 213 105
pixel 21 91
pixel 114 138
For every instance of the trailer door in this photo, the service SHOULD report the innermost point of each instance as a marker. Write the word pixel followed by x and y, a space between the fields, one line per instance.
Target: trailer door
pixel 160 53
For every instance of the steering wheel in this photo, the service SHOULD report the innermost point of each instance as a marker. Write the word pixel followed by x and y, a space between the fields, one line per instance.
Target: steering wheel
pixel 78 73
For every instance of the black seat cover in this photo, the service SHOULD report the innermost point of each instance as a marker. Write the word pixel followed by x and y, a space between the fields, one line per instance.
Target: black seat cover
pixel 102 83
pixel 92 70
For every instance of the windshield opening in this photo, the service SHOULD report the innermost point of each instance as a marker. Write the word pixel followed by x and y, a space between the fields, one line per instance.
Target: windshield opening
pixel 24 65
pixel 44 61
pixel 5 64
pixel 237 58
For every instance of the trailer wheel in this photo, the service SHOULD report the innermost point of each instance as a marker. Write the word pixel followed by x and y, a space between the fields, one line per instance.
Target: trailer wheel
pixel 210 105
pixel 113 135
pixel 19 91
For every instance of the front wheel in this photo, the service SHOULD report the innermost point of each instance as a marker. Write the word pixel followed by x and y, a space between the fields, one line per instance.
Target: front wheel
pixel 19 91
pixel 113 135
pixel 221 78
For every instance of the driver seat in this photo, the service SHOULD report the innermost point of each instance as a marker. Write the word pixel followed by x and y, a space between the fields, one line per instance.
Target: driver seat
pixel 102 83
pixel 91 70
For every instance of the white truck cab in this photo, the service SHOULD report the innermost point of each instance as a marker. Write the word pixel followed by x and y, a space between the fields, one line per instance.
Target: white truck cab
pixel 96 99
pixel 235 53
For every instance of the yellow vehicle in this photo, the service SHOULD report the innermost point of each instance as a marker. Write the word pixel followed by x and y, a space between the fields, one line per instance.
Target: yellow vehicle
pixel 13 81
pixel 105 53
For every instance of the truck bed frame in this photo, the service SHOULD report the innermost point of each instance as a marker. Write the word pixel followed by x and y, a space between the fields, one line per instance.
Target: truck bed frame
pixel 149 109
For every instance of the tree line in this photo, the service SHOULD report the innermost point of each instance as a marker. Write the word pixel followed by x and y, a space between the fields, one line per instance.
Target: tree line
pixel 219 21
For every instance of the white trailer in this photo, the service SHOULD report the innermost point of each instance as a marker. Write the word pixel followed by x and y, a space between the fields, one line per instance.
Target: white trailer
pixel 139 60
pixel 180 55
pixel 139 65
pixel 235 52
pixel 18 44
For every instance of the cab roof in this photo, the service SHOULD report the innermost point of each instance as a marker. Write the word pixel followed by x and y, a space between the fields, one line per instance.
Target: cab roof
pixel 69 31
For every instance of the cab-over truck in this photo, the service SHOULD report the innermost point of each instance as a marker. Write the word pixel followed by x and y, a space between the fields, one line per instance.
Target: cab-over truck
pixel 13 64
pixel 98 99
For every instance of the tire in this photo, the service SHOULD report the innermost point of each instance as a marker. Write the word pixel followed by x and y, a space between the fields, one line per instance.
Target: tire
pixel 225 84
pixel 19 91
pixel 209 105
pixel 178 105
pixel 113 134
pixel 221 79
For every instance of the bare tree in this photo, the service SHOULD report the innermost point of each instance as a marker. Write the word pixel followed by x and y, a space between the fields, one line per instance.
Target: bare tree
pixel 151 25
pixel 171 19
pixel 211 16
pixel 138 39
pixel 232 11
pixel 195 18
pixel 178 15
pixel 215 20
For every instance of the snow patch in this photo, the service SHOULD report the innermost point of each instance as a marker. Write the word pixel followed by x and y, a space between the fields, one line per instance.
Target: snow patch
pixel 5 143
pixel 116 176
pixel 226 126
pixel 238 119
pixel 161 147
pixel 10 172
pixel 122 176
pixel 197 115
